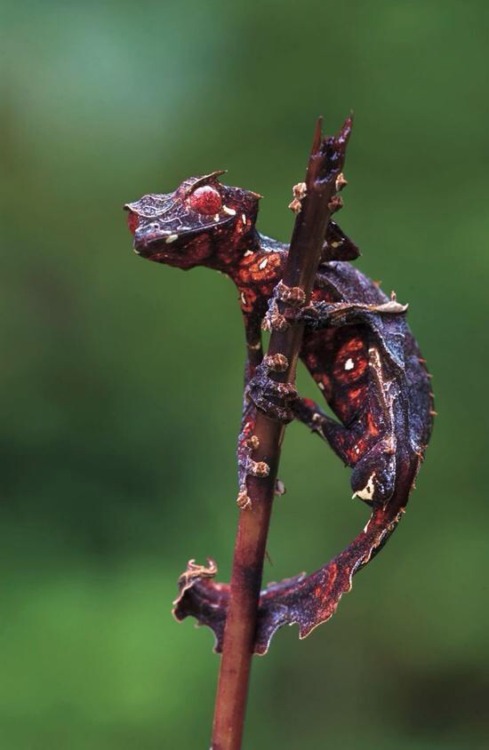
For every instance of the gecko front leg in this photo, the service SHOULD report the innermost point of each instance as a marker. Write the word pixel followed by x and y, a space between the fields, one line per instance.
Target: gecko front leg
pixel 268 394
pixel 273 398
pixel 258 394
pixel 247 440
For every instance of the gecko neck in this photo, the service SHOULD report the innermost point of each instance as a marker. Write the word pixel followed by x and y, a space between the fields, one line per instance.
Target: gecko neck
pixel 231 254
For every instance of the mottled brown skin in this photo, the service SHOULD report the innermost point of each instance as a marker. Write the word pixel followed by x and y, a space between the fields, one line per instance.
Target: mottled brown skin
pixel 357 347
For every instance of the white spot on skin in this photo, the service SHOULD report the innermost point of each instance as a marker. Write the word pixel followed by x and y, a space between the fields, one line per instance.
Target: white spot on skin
pixel 216 217
pixel 263 264
pixel 349 364
pixel 368 491
pixel 171 238
pixel 321 386
pixel 243 298
pixel 243 218
pixel 229 211
pixel 248 252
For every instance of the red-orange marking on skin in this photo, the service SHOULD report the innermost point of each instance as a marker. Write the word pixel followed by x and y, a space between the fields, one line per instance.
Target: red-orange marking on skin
pixel 247 298
pixel 132 221
pixel 351 346
pixel 348 402
pixel 357 451
pixel 319 295
pixel 249 294
pixel 353 352
pixel 362 445
pixel 356 393
pixel 259 267
pixel 248 429
pixel 254 282
pixel 372 428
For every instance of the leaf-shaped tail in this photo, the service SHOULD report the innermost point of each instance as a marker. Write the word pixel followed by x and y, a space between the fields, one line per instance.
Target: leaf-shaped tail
pixel 305 600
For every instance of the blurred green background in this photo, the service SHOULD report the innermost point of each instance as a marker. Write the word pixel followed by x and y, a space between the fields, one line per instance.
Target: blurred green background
pixel 121 379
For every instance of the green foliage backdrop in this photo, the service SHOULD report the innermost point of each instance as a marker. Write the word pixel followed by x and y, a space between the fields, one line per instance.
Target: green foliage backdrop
pixel 120 386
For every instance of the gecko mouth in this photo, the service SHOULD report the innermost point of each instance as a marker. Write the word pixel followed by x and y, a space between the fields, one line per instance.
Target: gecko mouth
pixel 166 238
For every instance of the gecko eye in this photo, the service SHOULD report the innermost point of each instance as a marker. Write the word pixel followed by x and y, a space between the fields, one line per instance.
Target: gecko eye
pixel 132 221
pixel 206 200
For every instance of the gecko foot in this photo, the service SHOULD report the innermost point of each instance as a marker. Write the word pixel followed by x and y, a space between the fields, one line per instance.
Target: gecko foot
pixel 272 398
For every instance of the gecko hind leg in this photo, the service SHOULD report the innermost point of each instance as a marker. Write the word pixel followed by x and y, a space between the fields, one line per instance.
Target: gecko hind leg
pixel 339 438
pixel 373 475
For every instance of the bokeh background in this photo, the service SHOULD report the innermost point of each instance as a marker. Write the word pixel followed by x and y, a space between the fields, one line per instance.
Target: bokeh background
pixel 121 380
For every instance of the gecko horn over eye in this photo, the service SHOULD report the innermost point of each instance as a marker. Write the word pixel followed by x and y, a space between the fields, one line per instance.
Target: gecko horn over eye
pixel 206 200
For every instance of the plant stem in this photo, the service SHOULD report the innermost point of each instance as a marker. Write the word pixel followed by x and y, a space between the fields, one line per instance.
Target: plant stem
pixel 325 164
pixel 245 587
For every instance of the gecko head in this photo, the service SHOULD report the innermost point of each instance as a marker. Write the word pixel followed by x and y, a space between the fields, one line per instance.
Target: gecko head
pixel 201 223
pixel 374 476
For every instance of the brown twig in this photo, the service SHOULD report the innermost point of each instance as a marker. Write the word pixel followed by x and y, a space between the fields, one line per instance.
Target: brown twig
pixel 314 206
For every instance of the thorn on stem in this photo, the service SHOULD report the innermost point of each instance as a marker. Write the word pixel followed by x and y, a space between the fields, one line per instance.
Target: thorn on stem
pixel 341 182
pixel 335 203
pixel 292 295
pixel 253 442
pixel 276 362
pixel 243 500
pixel 299 192
pixel 258 468
pixel 280 488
